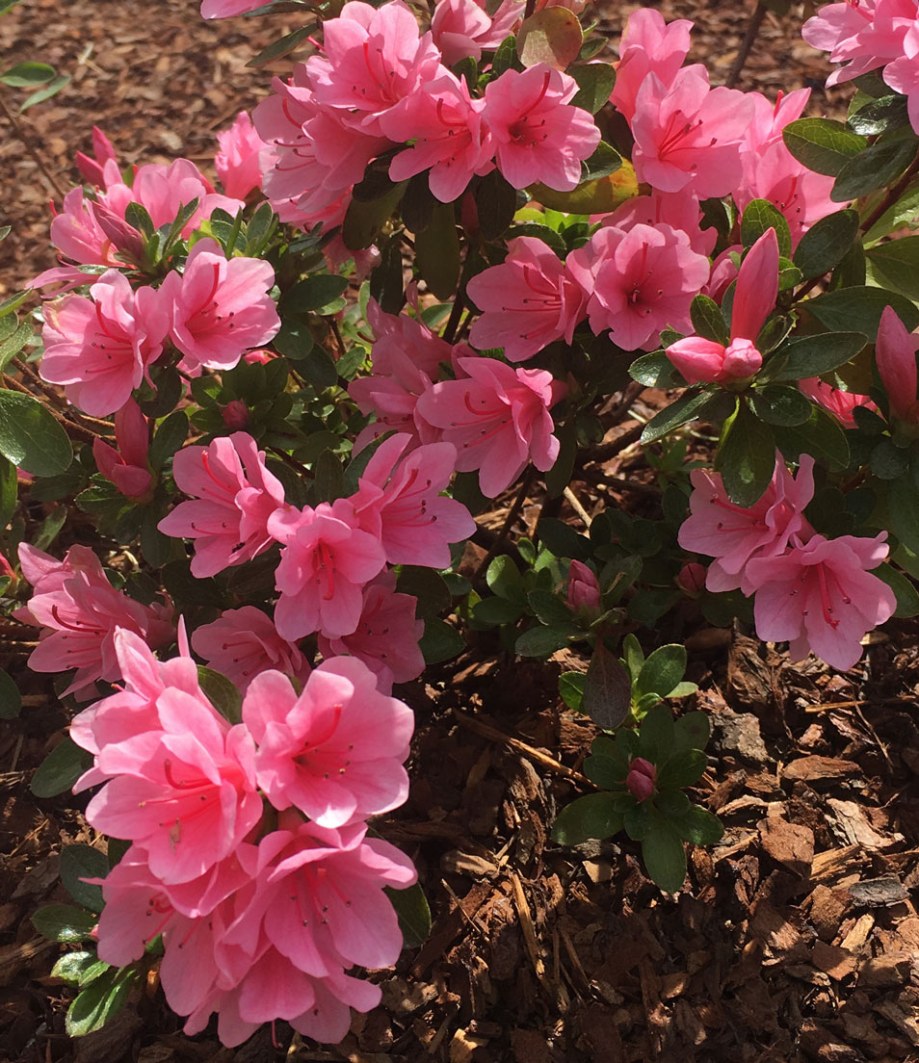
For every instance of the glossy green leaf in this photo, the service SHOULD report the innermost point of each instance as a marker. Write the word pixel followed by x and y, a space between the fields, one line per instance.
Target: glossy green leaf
pixel 30 437
pixel 746 456
pixel 821 144
pixel 437 252
pixel 815 355
pixel 592 817
pixel 64 923
pixel 825 244
pixel 79 862
pixel 10 698
pixel 60 769
pixel 100 1001
pixel 664 856
pixel 414 914
pixel 758 217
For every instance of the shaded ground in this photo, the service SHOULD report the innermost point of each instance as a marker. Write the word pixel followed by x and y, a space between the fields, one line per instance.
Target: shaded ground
pixel 795 938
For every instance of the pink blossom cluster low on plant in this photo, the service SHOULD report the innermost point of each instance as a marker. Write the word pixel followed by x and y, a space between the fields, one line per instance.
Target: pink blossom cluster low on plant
pixel 818 594
pixel 261 913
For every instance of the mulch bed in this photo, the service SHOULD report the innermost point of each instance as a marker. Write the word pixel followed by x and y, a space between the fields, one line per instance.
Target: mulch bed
pixel 795 938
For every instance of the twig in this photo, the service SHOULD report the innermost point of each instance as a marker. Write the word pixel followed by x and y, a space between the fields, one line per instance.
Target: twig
pixel 575 503
pixel 26 138
pixel 550 763
pixel 746 46
pixel 512 515
pixel 72 427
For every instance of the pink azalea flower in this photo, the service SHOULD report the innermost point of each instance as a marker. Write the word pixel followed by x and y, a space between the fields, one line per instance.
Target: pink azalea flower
pixel 387 637
pixel 639 281
pixel 902 75
pixel 91 166
pixel 895 352
pixel 704 361
pixel 583 594
pixel 688 135
pixel 100 348
pixel 77 234
pixel 648 46
pixel 243 643
pixel 538 135
pixel 679 210
pixel 735 535
pixel 46 573
pixel 373 58
pixel 229 8
pixel 527 302
pixel 821 597
pixel 80 611
pixel 462 28
pixel 406 359
pixel 448 136
pixel 335 752
pixel 325 562
pixel 233 495
pixel 864 35
pixel 219 308
pixel 497 418
pixel 237 161
pixel 128 466
pixel 839 403
pixel 163 191
pixel 400 504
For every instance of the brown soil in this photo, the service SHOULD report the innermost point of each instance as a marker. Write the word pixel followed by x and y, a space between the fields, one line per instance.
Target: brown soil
pixel 795 938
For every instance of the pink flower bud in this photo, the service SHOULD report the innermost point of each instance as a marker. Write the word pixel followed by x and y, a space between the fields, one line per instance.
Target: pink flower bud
pixel 691 579
pixel 641 779
pixel 235 415
pixel 741 360
pixel 583 589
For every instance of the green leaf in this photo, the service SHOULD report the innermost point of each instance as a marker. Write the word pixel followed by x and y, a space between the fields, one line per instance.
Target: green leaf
pixel 607 689
pixel 887 461
pixel 77 863
pixel 903 212
pixel 820 436
pixel 699 826
pixel 859 309
pixel 825 244
pixel 27 75
pixel 168 437
pixel 60 769
pixel 686 408
pixel 45 93
pixel 664 856
pixel 655 736
pixel 562 540
pixel 365 218
pixel 779 404
pixel 414 914
pixel 903 587
pixel 496 202
pixel 746 456
pixel 822 145
pixel 494 612
pixel 386 281
pixel 903 506
pixel 10 698
pixel 14 342
pixel 598 196
pixel 877 116
pixel 100 1001
pixel 897 263
pixel 878 166
pixel 595 84
pixel 682 769
pixel 437 252
pixel 9 491
pixel 441 642
pixel 655 370
pixel 30 437
pixel 548 608
pixel 662 671
pixel 429 588
pixel 221 693
pixel 543 641
pixel 814 355
pixel 64 923
pixel 312 294
pixel 758 217
pixel 552 36
pixel 319 368
pixel 592 817
pixel 692 731
pixel 505 56
pixel 708 321
pixel 609 773
pixel 79 968
pixel 281 47
pixel 571 689
pixel 604 161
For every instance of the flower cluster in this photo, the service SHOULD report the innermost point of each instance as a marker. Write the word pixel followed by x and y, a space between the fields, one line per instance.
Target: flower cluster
pixel 871 35
pixel 815 593
pixel 249 853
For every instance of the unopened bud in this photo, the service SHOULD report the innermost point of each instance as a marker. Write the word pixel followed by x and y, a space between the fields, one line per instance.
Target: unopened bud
pixel 642 778
pixel 583 588
pixel 235 414
pixel 691 579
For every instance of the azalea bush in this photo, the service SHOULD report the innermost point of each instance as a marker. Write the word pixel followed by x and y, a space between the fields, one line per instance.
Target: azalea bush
pixel 441 263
